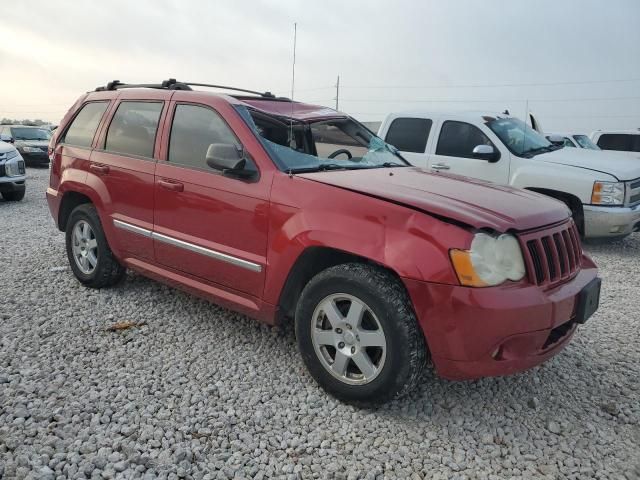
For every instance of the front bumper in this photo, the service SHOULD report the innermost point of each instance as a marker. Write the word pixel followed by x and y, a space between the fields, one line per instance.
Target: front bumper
pixel 479 332
pixel 16 184
pixel 602 222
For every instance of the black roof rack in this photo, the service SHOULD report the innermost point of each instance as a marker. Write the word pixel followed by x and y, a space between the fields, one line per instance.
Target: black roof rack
pixel 173 84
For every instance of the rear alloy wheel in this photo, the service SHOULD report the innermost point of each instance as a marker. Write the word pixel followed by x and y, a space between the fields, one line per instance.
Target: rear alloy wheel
pixel 90 257
pixel 84 247
pixel 358 335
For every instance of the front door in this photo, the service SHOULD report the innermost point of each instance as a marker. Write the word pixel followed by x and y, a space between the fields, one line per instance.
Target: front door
pixel 454 153
pixel 207 224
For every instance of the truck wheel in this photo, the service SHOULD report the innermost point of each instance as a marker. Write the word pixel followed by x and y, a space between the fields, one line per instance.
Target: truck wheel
pixel 358 334
pixel 90 257
pixel 14 196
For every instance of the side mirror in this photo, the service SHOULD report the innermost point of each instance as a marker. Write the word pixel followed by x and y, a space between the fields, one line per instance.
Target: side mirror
pixel 7 138
pixel 486 152
pixel 229 159
pixel 556 139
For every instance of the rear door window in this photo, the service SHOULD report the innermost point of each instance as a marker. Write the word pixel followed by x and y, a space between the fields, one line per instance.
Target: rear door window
pixel 458 139
pixel 133 128
pixel 81 131
pixel 409 134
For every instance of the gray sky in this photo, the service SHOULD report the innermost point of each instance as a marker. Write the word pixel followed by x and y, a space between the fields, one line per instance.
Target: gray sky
pixel 429 55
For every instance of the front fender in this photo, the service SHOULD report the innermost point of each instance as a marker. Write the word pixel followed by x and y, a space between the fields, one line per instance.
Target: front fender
pixel 410 243
pixel 561 178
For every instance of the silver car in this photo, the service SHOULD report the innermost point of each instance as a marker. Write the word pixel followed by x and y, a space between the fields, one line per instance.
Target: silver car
pixel 12 173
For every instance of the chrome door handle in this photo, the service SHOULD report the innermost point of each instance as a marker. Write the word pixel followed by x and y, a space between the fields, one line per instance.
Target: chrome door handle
pixel 440 166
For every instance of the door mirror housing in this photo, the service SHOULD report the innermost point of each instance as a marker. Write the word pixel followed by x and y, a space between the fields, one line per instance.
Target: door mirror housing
pixel 486 152
pixel 229 159
pixel 7 138
pixel 556 139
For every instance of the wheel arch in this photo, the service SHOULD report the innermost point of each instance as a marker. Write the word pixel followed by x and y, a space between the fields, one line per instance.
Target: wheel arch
pixel 70 200
pixel 573 202
pixel 309 263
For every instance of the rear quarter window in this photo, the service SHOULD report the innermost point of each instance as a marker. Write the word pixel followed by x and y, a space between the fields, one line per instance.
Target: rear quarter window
pixel 82 129
pixel 409 134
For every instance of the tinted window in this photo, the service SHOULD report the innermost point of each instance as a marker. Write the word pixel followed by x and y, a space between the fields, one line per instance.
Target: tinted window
pixel 194 129
pixel 615 141
pixel 133 128
pixel 22 133
pixel 568 142
pixel 458 139
pixel 84 126
pixel 409 134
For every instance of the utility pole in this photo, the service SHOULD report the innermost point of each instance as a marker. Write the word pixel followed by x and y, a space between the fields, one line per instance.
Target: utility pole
pixel 337 92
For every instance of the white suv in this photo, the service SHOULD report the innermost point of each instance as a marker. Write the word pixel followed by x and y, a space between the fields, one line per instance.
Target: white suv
pixel 12 173
pixel 602 190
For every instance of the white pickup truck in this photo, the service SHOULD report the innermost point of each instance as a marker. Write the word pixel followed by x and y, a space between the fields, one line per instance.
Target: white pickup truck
pixel 602 190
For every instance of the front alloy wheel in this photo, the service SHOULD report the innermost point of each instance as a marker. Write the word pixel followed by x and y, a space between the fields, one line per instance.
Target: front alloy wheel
pixel 348 339
pixel 358 334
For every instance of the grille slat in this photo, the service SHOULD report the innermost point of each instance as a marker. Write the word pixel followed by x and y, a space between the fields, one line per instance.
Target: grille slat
pixel 553 255
pixel 569 247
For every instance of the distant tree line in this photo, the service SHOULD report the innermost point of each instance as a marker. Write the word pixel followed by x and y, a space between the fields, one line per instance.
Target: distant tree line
pixel 33 123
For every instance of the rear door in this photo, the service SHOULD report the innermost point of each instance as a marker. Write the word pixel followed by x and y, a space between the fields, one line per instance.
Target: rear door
pixel 410 135
pixel 454 153
pixel 206 224
pixel 123 165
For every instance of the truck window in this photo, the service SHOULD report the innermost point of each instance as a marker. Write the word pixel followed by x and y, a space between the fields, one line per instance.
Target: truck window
pixel 84 126
pixel 458 139
pixel 133 128
pixel 409 134
pixel 616 141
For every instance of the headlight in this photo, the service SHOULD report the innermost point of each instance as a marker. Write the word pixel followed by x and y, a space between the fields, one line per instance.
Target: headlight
pixel 12 169
pixel 607 193
pixel 490 261
pixel 31 149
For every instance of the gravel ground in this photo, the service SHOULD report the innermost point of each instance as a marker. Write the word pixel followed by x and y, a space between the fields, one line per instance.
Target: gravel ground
pixel 200 392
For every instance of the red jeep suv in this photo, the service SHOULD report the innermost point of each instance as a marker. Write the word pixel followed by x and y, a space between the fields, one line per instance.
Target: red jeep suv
pixel 284 210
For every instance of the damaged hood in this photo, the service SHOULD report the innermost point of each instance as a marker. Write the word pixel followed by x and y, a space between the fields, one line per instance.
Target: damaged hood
pixel 472 202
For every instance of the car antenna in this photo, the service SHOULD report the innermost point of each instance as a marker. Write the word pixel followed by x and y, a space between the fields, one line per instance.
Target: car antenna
pixel 293 82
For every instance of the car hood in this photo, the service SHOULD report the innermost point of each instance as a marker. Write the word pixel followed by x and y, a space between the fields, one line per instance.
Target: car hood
pixel 469 201
pixel 623 167
pixel 6 147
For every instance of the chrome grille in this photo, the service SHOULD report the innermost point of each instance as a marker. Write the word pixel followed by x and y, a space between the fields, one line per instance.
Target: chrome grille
pixel 552 255
pixel 633 192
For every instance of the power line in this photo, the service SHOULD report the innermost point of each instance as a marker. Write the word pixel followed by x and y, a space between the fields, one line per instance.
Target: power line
pixel 491 85
pixel 497 100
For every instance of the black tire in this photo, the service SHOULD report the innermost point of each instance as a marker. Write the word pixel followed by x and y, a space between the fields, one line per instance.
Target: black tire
pixel 406 352
pixel 108 271
pixel 14 196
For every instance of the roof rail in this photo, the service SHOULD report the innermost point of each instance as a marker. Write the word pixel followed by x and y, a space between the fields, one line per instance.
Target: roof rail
pixel 173 84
